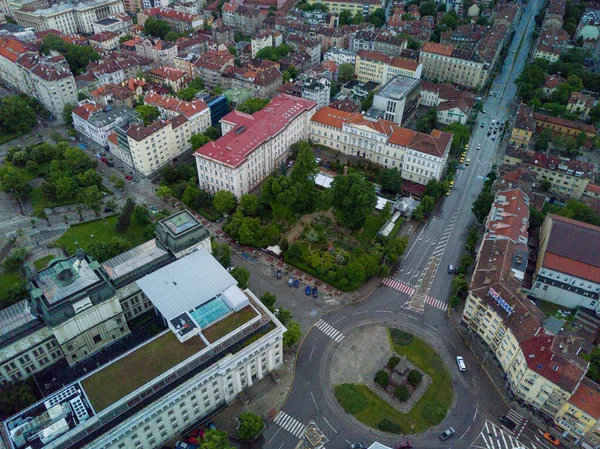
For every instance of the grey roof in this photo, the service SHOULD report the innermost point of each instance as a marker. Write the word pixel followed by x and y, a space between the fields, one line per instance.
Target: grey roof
pixel 186 283
pixel 399 87
pixel 180 222
pixel 15 317
pixel 65 278
pixel 104 117
pixel 554 325
pixel 135 258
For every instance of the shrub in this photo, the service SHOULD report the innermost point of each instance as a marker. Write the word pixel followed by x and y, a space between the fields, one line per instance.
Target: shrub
pixel 434 412
pixel 15 259
pixel 400 337
pixel 382 378
pixel 385 425
pixel 402 393
pixel 414 377
pixel 454 301
pixel 393 361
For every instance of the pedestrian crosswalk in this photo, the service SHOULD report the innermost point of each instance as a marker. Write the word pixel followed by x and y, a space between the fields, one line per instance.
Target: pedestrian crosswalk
pixel 436 303
pixel 292 425
pixel 515 417
pixel 493 437
pixel 329 330
pixel 400 286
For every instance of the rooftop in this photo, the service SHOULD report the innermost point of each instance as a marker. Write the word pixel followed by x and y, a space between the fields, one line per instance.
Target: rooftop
pixel 144 255
pixel 250 131
pixel 509 217
pixel 398 87
pixel 587 398
pixel 15 319
pixel 566 123
pixel 525 118
pixel 439 49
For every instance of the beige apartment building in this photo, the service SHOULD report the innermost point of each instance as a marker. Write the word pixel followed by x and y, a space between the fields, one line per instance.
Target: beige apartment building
pixel 445 63
pixel 364 7
pixel 381 68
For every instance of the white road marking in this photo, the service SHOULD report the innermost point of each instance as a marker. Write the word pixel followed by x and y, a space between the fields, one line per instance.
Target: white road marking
pixel 329 330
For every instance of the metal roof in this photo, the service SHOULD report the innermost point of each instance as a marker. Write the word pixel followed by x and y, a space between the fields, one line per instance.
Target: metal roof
pixel 134 259
pixel 14 317
pixel 65 278
pixel 186 283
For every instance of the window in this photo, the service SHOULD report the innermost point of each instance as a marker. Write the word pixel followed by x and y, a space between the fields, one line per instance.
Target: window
pixel 97 339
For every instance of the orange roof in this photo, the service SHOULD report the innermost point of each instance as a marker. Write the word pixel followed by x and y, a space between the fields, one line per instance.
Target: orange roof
pixel 86 110
pixel 509 216
pixel 405 64
pixel 587 398
pixel 331 117
pixel 12 49
pixel 439 49
pixel 187 108
pixel 168 72
pixel 375 56
pixel 592 188
pixel 402 136
pixel 112 138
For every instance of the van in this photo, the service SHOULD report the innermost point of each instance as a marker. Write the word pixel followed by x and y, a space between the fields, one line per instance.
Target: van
pixel 450 269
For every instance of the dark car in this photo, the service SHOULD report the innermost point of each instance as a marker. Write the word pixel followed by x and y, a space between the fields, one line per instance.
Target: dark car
pixel 103 159
pixel 447 434
pixel 296 283
pixel 404 445
pixel 279 274
pixel 107 209
pixel 510 425
pixel 307 290
pixel 315 292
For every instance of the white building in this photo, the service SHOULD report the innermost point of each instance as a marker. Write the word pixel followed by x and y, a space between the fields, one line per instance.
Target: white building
pixel 49 80
pixel 420 157
pixel 317 90
pixel 196 112
pixel 398 100
pixel 70 18
pixel 96 122
pixel 193 380
pixel 253 146
pixel 340 56
pixel 262 40
pixel 119 23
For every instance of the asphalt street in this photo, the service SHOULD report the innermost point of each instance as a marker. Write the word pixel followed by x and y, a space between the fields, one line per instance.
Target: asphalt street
pixel 477 405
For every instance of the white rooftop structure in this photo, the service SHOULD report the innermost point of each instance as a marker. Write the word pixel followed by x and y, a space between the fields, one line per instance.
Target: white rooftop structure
pixel 323 180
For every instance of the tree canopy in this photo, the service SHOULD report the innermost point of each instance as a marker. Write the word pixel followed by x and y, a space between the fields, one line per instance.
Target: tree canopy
pixel 17 116
pixel 224 201
pixel 252 105
pixel 250 426
pixel 274 53
pixel 78 56
pixel 345 72
pixel 156 28
pixel 354 198
pixel 147 113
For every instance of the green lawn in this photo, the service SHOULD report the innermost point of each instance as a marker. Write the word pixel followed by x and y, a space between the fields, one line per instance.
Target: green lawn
pixel 136 369
pixel 37 198
pixel 370 409
pixel 226 325
pixel 7 138
pixel 42 263
pixel 82 233
pixel 372 225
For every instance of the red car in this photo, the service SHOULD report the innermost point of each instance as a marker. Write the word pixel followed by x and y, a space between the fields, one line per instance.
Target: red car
pixel 128 178
pixel 404 445
pixel 103 159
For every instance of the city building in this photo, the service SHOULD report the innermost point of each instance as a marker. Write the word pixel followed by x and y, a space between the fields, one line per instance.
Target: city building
pixel 523 128
pixel 106 40
pixel 180 22
pixel 380 68
pixel 247 19
pixel 196 112
pixel 444 62
pixel 210 67
pixel 310 46
pixel 116 95
pixel 397 101
pixel 579 416
pixel 419 157
pixel 47 79
pixel 567 272
pixel 69 18
pixel 161 52
pixel 260 41
pixel 364 7
pixel 252 146
pixel 333 37
pixel 453 104
pixel 340 56
pixel 96 122
pixel 119 23
pixel 581 103
pixel 113 68
pixel 170 77
pixel 216 341
pixel 563 126
pixel 261 77
pixel 317 90
pixel 386 42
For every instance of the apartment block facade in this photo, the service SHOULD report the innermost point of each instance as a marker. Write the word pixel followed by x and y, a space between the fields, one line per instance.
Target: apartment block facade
pixel 363 7
pixel 381 68
pixel 444 62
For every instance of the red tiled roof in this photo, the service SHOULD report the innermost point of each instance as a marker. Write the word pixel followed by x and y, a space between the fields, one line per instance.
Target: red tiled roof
pixel 86 110
pixel 587 398
pixel 250 131
pixel 439 49
pixel 168 73
pixel 509 217
pixel 13 49
pixel 187 108
pixel 592 188
pixel 171 14
pixel 104 36
pixel 564 122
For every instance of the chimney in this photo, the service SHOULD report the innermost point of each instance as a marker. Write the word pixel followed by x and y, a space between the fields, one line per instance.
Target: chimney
pixel 345 170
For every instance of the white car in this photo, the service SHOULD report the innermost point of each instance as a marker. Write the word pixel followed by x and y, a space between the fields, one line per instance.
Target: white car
pixel 461 364
pixel 479 147
pixel 98 156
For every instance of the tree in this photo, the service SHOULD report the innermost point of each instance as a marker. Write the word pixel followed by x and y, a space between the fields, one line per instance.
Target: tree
pixel 172 36
pixel 382 378
pixel 117 181
pixel 543 140
pixel 252 105
pixel 197 83
pixel 66 187
pixel 16 396
pixel 269 299
pixel 250 426
pixel 427 205
pixel 92 197
pixel 595 114
pixel 90 178
pixel 221 252
pixel 482 205
pixel 242 276
pixel 459 284
pixel 292 335
pixel 345 18
pixel 12 263
pixel 274 53
pixel 78 56
pixel 345 72
pixel 393 361
pixel 427 122
pixel 40 212
pixel 248 204
pixel 545 185
pixel 414 377
pixel 291 73
pixel 358 19
pixel 141 214
pixel 461 133
pixel 215 439
pixel 354 197
pixel 147 113
pixel 378 18
pixel 16 115
pixel 14 181
pixel 390 180
pixel 212 133
pixel 164 192
pixel 125 38
pixel 283 315
pixel 224 201
pixel 402 394
pixel 156 28
pixel 435 189
pixel 198 140
pixel 427 9
pixel 124 217
pixel 187 93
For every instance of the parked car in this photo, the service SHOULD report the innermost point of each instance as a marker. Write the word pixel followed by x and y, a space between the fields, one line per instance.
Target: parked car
pixel 404 445
pixel 307 290
pixel 296 283
pixel 358 446
pixel 447 434
pixel 290 282
pixel 98 156
pixel 461 364
pixel 552 439
pixel 103 159
pixel 510 425
pixel 128 177
pixel 468 161
pixel 315 292
pixel 107 210
pixel 279 274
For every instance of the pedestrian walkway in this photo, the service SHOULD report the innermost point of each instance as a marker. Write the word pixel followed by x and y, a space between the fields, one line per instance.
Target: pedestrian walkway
pixel 397 285
pixel 493 437
pixel 292 425
pixel 436 303
pixel 329 330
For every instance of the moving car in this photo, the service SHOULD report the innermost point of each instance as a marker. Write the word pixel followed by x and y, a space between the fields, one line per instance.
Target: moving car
pixel 315 292
pixel 482 124
pixel 450 269
pixel 479 147
pixel 279 274
pixel 494 137
pixel 230 269
pixel 468 161
pixel 447 434
pixel 98 156
pixel 510 425
pixel 461 364
pixel 552 439
pixel 307 290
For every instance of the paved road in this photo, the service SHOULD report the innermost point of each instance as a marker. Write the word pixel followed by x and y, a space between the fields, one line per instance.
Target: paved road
pixel 477 405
